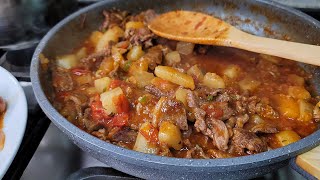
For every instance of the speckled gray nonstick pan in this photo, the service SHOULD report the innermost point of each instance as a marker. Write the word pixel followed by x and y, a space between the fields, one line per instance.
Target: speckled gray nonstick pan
pixel 257 17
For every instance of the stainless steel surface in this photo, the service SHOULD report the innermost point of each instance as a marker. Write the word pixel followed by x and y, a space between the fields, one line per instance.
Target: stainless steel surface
pixel 57 157
pixel 24 22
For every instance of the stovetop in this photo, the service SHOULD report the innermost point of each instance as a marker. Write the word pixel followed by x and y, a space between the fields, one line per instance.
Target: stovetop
pixel 45 153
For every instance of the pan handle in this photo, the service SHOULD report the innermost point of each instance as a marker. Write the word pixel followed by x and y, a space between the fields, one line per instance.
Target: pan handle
pixel 308 164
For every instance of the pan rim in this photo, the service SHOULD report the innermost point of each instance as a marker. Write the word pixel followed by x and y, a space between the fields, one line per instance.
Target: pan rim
pixel 155 161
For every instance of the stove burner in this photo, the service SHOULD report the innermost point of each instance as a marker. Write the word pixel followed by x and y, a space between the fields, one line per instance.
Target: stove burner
pixel 18 62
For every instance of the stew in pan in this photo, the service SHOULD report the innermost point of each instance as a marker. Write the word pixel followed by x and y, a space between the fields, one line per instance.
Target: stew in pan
pixel 131 88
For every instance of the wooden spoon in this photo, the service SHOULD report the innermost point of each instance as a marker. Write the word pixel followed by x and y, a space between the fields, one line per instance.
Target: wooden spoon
pixel 201 28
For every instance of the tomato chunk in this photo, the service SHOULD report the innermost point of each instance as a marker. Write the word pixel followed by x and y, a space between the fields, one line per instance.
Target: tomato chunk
pixel 150 133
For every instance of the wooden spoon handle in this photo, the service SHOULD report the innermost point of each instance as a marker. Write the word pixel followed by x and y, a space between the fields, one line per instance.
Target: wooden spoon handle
pixel 305 53
pixel 310 162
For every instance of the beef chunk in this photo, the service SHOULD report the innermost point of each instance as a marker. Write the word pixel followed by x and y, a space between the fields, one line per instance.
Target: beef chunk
pixel 2 105
pixel 141 36
pixel 227 111
pixel 245 142
pixel 61 80
pixel 264 128
pixel 168 109
pixel 214 153
pixel 125 135
pixel 241 120
pixel 197 112
pixel 218 131
pixel 154 90
pixel 204 91
pixel 149 15
pixel 257 106
pixel 113 17
pixel 153 56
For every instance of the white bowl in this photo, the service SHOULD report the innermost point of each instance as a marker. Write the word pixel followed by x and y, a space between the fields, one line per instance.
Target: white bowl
pixel 15 118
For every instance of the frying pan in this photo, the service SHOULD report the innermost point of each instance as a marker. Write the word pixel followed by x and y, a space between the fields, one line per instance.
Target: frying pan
pixel 262 18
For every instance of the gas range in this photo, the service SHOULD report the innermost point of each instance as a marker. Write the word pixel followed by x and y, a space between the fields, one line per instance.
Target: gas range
pixel 47 153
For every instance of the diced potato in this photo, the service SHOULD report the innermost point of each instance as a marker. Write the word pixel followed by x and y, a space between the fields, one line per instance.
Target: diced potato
pixel 112 34
pixel 116 55
pixel 287 106
pixel 143 78
pixel 136 66
pixel 172 58
pixel 185 48
pixel 90 91
pixel 106 66
pixel 273 59
pixel 295 80
pixel 81 53
pixel 83 79
pixel 142 144
pixel 181 95
pixel 95 37
pixel 67 61
pixel 135 53
pixel 287 137
pixel 306 110
pixel 196 72
pixel 174 76
pixel 249 84
pixel 109 98
pixel 43 59
pixel 170 134
pixel 134 25
pixel 232 71
pixel 213 80
pixel 102 84
pixel 298 92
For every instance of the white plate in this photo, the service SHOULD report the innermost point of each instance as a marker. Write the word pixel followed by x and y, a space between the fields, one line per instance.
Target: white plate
pixel 15 118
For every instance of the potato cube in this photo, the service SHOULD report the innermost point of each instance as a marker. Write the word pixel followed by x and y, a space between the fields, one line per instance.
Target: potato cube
pixel 213 80
pixel 272 59
pixel 109 100
pixel 106 66
pixel 112 34
pixel 81 53
pixel 170 134
pixel 295 80
pixel 287 106
pixel 143 78
pixel 174 76
pixel 67 61
pixel 181 95
pixel 196 72
pixel 172 58
pixel 185 48
pixel 143 144
pixel 232 71
pixel 298 92
pixel 95 37
pixel 135 53
pixel 249 84
pixel 287 137
pixel 102 84
pixel 306 111
pixel 134 25
pixel 137 66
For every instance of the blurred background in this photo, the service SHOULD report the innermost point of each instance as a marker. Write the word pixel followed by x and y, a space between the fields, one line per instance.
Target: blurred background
pixel 46 153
